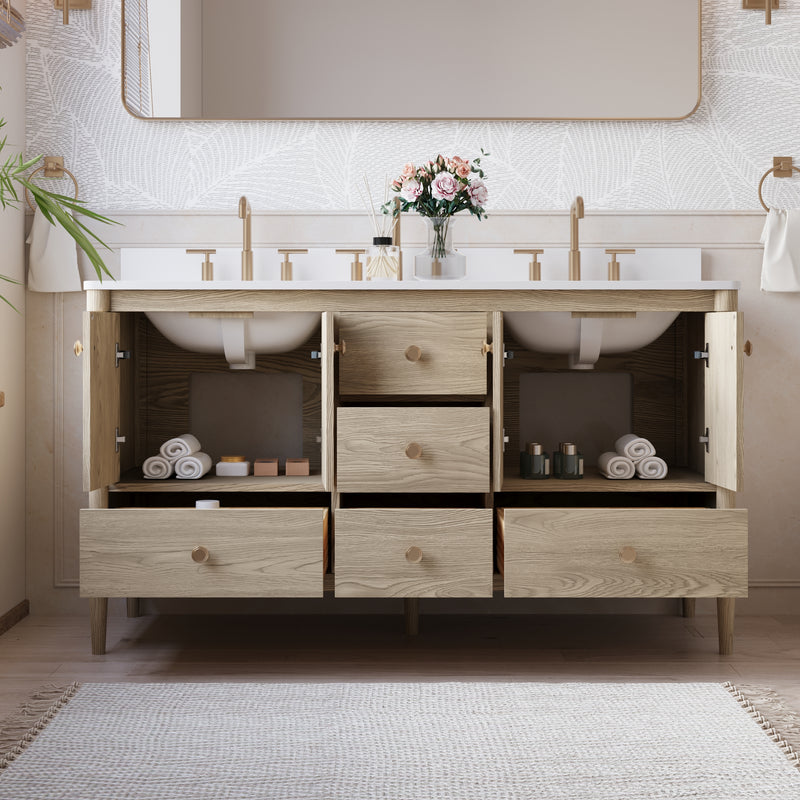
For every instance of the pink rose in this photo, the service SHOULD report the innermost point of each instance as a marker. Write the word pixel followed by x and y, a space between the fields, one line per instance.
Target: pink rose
pixel 463 169
pixel 478 193
pixel 408 171
pixel 411 190
pixel 444 186
pixel 396 184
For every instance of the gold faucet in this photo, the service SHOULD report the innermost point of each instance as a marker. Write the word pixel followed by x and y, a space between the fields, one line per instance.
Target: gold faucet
pixel 575 213
pixel 245 213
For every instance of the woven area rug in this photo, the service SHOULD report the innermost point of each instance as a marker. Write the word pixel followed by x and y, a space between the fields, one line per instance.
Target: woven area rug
pixel 401 741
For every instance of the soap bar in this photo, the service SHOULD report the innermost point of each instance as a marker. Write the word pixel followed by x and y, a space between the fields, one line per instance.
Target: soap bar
pixel 233 469
pixel 297 466
pixel 266 467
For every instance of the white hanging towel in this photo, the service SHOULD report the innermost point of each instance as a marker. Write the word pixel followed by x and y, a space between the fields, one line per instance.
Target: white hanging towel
pixel 53 258
pixel 634 447
pixel 780 271
pixel 180 446
pixel 616 467
pixel 193 467
pixel 157 468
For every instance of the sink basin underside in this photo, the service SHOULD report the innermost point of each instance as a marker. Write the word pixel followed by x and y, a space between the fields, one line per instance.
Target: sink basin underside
pixel 238 339
pixel 586 339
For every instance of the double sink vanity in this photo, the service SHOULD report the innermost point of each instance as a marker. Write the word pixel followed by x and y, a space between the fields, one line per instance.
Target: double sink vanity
pixel 415 404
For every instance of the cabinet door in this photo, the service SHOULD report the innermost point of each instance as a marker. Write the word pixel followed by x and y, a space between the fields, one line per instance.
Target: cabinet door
pixel 723 399
pixel 101 398
pixel 498 361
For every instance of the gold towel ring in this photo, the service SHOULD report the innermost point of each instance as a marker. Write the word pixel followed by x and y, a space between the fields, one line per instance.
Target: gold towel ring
pixel 41 169
pixel 761 183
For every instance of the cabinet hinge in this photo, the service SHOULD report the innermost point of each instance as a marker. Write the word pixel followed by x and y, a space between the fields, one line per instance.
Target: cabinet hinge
pixel 505 440
pixel 702 355
pixel 119 355
pixel 316 355
pixel 506 355
pixel 118 440
pixel 705 439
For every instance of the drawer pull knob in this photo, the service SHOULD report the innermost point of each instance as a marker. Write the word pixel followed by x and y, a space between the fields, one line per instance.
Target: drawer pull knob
pixel 414 555
pixel 413 353
pixel 627 555
pixel 200 554
pixel 77 348
pixel 414 450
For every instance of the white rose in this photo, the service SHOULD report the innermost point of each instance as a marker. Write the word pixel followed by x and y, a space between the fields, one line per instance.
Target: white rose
pixel 444 186
pixel 478 193
pixel 411 190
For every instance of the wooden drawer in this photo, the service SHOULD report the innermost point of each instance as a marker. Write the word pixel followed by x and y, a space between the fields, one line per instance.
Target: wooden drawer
pixel 412 353
pixel 623 552
pixel 375 450
pixel 375 555
pixel 141 552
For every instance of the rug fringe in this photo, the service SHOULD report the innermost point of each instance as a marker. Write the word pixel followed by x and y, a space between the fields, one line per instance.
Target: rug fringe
pixel 19 731
pixel 766 726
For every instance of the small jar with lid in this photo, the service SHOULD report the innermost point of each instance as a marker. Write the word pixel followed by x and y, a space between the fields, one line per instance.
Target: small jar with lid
pixel 534 463
pixel 571 462
pixel 382 260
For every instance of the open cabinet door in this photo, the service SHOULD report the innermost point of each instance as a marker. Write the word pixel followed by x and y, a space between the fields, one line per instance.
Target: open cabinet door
pixel 723 399
pixel 497 401
pixel 101 400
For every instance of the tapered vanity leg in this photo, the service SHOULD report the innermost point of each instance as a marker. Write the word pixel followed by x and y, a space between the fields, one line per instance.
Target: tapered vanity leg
pixel 688 606
pixel 98 618
pixel 725 611
pixel 411 607
pixel 134 609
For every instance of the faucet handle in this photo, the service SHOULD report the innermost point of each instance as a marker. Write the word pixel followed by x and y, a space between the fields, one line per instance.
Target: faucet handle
pixel 535 268
pixel 613 265
pixel 356 271
pixel 208 265
pixel 286 264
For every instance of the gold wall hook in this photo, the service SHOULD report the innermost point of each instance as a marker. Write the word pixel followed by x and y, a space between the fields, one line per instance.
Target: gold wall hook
pixel 765 5
pixel 70 5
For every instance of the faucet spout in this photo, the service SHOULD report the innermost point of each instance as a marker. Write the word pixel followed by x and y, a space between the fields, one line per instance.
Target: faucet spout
pixel 575 213
pixel 245 214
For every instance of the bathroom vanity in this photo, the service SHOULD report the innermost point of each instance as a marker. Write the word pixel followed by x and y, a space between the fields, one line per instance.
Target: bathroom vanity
pixel 412 417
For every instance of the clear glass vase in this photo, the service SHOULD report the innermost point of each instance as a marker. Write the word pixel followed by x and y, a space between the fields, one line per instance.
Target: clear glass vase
pixel 439 261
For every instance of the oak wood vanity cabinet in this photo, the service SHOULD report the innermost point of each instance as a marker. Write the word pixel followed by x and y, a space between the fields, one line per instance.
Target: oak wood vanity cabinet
pixel 414 412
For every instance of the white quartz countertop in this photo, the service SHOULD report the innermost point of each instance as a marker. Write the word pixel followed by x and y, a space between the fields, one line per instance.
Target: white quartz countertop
pixel 411 285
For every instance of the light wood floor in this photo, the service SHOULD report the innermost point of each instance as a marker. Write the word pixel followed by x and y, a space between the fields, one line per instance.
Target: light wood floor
pixel 43 650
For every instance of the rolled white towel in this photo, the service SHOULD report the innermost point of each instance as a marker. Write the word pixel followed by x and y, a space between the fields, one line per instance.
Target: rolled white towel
pixel 180 446
pixel 157 468
pixel 616 467
pixel 193 467
pixel 652 468
pixel 634 447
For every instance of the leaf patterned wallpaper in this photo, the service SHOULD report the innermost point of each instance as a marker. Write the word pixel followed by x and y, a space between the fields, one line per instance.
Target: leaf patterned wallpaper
pixel 712 161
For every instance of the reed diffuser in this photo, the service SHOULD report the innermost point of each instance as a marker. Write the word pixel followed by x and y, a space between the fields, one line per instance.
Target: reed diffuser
pixel 382 257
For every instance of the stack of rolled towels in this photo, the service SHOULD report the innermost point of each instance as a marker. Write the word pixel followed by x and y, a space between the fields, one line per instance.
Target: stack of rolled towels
pixel 632 456
pixel 181 457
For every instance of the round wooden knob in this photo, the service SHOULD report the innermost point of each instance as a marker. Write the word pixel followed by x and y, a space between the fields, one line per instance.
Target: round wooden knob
pixel 77 348
pixel 414 555
pixel 414 450
pixel 200 554
pixel 748 348
pixel 627 555
pixel 413 353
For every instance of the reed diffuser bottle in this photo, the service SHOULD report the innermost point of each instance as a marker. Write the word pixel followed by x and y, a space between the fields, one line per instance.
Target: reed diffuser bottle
pixel 383 257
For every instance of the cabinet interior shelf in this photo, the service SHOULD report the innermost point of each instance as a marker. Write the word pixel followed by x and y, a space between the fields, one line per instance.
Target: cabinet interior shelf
pixel 132 481
pixel 678 480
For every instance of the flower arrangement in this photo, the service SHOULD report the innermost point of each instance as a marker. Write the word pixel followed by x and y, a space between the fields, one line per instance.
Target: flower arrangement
pixel 442 188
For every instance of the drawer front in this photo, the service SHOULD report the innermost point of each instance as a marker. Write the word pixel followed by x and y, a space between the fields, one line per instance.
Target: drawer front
pixel 414 552
pixel 623 552
pixel 412 353
pixel 140 552
pixel 413 450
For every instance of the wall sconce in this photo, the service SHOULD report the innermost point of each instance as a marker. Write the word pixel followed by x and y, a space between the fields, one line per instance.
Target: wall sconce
pixel 12 25
pixel 70 5
pixel 766 5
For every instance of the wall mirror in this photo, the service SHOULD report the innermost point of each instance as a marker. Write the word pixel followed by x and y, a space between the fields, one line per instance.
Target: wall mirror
pixel 411 59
